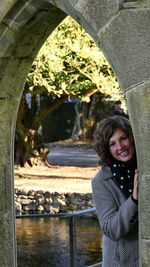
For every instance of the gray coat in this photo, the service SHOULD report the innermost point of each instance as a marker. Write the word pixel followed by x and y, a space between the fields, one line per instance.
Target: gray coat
pixel 118 220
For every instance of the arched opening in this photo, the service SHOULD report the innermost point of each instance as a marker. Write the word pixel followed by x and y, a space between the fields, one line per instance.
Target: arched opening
pixel 24 27
pixel 69 70
pixel 50 169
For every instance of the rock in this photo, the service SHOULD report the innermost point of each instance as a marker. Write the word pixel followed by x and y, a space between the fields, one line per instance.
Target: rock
pixel 39 201
pixel 40 208
pixel 48 200
pixel 30 207
pixel 18 207
pixel 27 201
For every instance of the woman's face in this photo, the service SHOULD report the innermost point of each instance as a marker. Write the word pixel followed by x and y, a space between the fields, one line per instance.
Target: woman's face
pixel 121 147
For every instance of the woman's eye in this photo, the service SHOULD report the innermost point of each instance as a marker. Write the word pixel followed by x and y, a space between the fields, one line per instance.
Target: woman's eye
pixel 111 144
pixel 124 137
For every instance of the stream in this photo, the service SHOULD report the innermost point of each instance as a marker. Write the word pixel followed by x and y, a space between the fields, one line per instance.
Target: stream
pixel 43 242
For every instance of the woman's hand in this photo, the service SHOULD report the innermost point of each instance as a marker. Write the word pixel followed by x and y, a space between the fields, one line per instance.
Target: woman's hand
pixel 135 185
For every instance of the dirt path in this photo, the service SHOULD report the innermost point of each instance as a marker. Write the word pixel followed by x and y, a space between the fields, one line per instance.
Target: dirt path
pixel 56 179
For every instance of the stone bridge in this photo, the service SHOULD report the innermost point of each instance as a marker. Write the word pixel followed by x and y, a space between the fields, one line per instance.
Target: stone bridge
pixel 121 28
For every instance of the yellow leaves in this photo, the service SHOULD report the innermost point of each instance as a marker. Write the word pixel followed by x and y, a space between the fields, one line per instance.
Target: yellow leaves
pixel 64 86
pixel 70 50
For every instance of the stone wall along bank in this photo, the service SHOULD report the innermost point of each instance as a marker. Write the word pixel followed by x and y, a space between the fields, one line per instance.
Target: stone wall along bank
pixel 40 201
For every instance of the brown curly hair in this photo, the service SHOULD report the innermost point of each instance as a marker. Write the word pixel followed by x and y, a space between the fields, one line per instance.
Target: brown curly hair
pixel 105 132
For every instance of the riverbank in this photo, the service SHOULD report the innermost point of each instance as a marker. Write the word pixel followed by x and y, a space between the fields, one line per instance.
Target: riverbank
pixel 63 179
pixel 57 188
pixel 31 201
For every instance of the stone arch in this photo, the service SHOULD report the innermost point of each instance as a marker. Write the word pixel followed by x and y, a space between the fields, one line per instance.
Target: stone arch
pixel 122 30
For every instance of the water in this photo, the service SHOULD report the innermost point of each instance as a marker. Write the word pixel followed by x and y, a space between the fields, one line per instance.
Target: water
pixel 44 242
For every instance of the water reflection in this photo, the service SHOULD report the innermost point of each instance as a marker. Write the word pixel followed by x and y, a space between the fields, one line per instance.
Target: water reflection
pixel 44 242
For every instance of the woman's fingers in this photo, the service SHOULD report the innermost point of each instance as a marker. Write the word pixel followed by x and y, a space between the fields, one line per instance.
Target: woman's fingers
pixel 135 186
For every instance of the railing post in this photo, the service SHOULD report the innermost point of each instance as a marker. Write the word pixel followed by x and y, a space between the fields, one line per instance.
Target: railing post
pixel 72 232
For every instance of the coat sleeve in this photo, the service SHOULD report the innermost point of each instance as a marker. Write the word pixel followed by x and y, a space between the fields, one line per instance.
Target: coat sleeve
pixel 115 221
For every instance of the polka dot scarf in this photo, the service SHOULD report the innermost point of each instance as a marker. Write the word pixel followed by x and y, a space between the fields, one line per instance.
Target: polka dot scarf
pixel 123 172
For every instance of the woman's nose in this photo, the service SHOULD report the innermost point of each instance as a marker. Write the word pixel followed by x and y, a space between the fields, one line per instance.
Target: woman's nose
pixel 119 145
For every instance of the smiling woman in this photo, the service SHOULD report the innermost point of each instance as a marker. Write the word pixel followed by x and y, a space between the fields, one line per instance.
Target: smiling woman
pixel 115 192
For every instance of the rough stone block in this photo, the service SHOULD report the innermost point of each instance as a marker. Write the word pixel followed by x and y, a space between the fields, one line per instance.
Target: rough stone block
pixel 145 253
pixel 5 7
pixel 40 199
pixel 7 39
pixel 99 12
pixel 66 6
pixel 23 192
pixel 20 14
pixel 48 200
pixel 125 42
pixel 47 194
pixel 18 207
pixel 59 201
pixel 42 4
pixel 7 258
pixel 51 209
pixel 27 201
pixel 31 193
pixel 137 4
pixel 39 192
pixel 63 3
pixel 144 206
pixel 138 99
pixel 30 207
pixel 40 208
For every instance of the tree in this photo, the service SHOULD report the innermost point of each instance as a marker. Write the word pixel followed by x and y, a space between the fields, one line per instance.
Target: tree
pixel 68 65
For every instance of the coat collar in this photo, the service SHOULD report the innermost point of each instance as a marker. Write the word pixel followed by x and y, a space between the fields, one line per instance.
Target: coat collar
pixel 105 173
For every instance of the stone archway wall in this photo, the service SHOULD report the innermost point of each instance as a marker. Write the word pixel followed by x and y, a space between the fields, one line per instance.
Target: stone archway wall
pixel 121 29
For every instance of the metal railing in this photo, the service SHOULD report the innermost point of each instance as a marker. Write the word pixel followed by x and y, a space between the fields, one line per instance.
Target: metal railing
pixel 72 229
